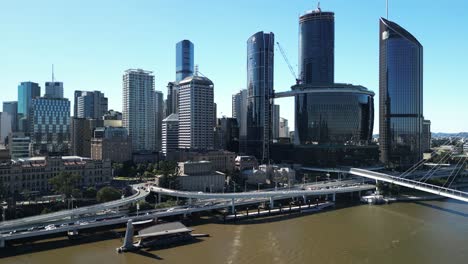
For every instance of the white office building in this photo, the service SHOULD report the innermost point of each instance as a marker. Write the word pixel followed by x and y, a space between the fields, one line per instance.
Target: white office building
pixel 196 113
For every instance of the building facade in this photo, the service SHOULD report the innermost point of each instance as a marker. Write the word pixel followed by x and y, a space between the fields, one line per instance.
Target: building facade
pixel 53 90
pixel 19 145
pixel 111 143
pixel 82 131
pixel 275 121
pixel 170 134
pixel 11 108
pixel 184 60
pixel 138 114
pixel 26 92
pixel 401 96
pixel 33 174
pixel 317 47
pixel 158 117
pixel 199 176
pixel 50 126
pixel 90 104
pixel 283 128
pixel 426 136
pixel 5 126
pixel 260 64
pixel 196 113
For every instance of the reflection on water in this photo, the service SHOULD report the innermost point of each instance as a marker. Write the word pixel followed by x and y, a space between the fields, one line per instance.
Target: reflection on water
pixel 421 232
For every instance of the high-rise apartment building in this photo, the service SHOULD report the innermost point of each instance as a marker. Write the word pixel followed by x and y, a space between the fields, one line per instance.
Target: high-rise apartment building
pixel 401 96
pixel 26 92
pixel 184 59
pixel 50 126
pixel 138 111
pixel 90 104
pixel 196 113
pixel 260 62
pixel 240 102
pixel 172 101
pixel 5 126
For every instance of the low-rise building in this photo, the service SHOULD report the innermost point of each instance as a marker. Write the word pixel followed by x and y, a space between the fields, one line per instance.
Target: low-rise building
pixel 221 160
pixel 33 174
pixel 112 143
pixel 245 162
pixel 199 176
pixel 19 145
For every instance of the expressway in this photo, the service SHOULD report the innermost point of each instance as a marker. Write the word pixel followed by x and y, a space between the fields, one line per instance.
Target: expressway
pixel 140 192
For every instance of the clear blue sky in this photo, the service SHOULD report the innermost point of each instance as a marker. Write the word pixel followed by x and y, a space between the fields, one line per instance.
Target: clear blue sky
pixel 92 42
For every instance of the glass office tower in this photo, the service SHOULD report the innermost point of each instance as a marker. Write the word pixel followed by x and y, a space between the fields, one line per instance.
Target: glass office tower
pixel 317 47
pixel 260 55
pixel 401 96
pixel 184 59
pixel 26 92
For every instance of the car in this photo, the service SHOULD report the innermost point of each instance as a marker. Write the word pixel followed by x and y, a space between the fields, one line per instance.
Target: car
pixel 12 232
pixel 50 227
pixel 64 225
pixel 170 210
pixel 31 229
pixel 84 223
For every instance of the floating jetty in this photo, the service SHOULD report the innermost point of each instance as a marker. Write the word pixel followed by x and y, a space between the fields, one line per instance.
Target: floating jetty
pixel 157 235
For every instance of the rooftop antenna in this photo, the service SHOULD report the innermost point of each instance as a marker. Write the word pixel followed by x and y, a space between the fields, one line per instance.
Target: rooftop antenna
pixel 387 8
pixel 196 70
pixel 53 78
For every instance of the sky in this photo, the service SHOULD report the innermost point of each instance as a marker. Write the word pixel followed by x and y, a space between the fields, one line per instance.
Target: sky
pixel 92 42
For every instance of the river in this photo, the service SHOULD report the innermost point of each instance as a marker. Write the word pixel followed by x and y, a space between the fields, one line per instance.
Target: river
pixel 420 232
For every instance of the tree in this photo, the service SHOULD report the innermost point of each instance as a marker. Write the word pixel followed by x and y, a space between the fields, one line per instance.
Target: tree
pixel 65 182
pixel 90 193
pixel 107 194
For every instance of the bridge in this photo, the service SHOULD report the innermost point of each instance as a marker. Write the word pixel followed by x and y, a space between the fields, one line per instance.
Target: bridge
pixel 409 183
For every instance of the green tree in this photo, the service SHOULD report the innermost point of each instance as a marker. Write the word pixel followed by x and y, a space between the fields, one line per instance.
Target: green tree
pixel 90 193
pixel 107 194
pixel 65 182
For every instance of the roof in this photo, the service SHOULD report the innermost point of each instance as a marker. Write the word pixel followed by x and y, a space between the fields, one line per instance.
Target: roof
pixel 400 30
pixel 163 229
pixel 196 79
pixel 171 117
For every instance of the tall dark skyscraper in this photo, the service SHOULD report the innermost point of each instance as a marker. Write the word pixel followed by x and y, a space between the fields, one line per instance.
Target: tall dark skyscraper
pixel 184 59
pixel 317 47
pixel 260 55
pixel 26 92
pixel 401 95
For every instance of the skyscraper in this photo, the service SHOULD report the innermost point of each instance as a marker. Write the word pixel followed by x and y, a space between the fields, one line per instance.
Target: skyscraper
pixel 138 114
pixel 26 92
pixel 426 136
pixel 11 108
pixel 90 104
pixel 172 101
pixel 317 47
pixel 401 96
pixel 53 89
pixel 260 58
pixel 170 133
pixel 82 131
pixel 50 126
pixel 240 102
pixel 275 121
pixel 283 128
pixel 159 116
pixel 184 59
pixel 196 113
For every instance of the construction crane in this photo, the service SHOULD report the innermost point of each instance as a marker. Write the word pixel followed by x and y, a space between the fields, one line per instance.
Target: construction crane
pixel 298 81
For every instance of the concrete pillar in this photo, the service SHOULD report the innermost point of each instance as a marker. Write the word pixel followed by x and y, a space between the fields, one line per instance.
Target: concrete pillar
pixel 190 201
pixel 233 207
pixel 272 202
pixel 128 241
pixel 2 242
pixel 334 197
pixel 159 198
pixel 304 198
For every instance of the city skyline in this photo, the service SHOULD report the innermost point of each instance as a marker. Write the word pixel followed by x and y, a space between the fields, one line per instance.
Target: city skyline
pixel 78 62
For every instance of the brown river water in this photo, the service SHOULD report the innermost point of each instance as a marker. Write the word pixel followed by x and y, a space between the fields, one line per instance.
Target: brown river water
pixel 419 232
